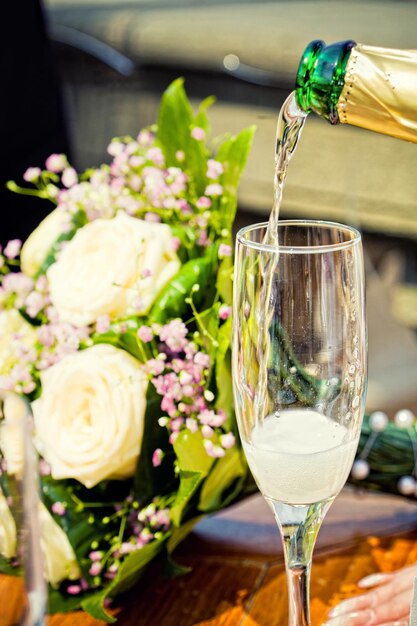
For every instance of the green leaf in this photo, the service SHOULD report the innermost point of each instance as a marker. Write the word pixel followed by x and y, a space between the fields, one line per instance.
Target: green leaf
pixel 150 480
pixel 128 574
pixel 171 303
pixel 191 454
pixel 127 340
pixel 175 123
pixel 189 483
pixel 194 465
pixel 7 568
pixel 180 533
pixel 132 567
pixel 172 568
pixel 227 471
pixel 224 281
pixel 81 523
pixel 60 602
pixel 224 395
pixel 95 607
pixel 201 119
pixel 233 153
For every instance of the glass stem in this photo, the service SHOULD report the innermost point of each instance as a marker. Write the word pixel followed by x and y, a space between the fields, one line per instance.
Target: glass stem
pixel 299 525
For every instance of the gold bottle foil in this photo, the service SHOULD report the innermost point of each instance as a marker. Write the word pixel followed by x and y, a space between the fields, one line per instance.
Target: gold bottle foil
pixel 380 91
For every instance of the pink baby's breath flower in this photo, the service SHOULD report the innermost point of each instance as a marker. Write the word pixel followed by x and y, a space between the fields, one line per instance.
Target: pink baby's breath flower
pixel 188 391
pixel 174 335
pixel 135 182
pixel 69 177
pixel 191 424
pixel 44 468
pixel 34 303
pixel 146 272
pixel 184 206
pixel 95 569
pixel 103 324
pixel 115 148
pixel 156 155
pixel 74 590
pixel 214 169
pixel 56 162
pixel 211 418
pixel 176 424
pixel 28 387
pixel 180 155
pixel 213 190
pixel 152 217
pixel 52 314
pixel 167 403
pixel 157 457
pixel 155 366
pixel 117 184
pixel 32 174
pixel 18 283
pixel 175 243
pixel 145 334
pixel 145 138
pixel 185 378
pixel 127 547
pixel 215 452
pixel 225 311
pixel 162 518
pixel 207 431
pixel 96 555
pixel 224 250
pixel 58 508
pixel 136 160
pixel 12 249
pixel 203 202
pixel 173 437
pixel 198 133
pixel 169 203
pixel 203 238
pixel 131 147
pixel 200 358
pixel 42 283
pixel 228 440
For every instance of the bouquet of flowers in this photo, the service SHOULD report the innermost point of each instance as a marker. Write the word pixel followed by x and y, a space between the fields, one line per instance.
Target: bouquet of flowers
pixel 114 323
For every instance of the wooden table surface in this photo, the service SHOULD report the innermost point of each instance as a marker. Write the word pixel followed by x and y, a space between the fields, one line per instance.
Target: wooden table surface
pixel 238 577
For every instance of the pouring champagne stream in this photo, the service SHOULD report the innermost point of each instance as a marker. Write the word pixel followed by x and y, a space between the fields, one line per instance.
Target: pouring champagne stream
pixel 299 364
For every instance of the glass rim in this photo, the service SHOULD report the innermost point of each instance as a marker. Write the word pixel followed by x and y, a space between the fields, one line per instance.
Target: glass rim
pixel 310 249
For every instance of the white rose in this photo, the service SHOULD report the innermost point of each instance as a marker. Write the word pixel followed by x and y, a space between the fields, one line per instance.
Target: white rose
pixel 104 269
pixel 60 560
pixel 7 529
pixel 89 420
pixel 15 332
pixel 41 240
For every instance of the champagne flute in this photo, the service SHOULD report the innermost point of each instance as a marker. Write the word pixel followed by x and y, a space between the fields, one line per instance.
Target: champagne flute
pixel 20 533
pixel 299 375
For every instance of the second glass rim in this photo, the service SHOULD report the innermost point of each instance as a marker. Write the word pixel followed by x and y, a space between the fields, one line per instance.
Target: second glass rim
pixel 285 249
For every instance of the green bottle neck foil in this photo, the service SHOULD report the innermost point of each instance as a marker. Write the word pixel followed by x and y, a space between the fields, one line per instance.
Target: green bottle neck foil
pixel 321 77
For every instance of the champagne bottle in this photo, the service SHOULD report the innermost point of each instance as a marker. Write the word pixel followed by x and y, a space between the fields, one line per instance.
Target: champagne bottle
pixel 367 86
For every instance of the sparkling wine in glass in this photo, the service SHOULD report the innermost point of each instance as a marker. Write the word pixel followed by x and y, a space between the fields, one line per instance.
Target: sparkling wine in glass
pixel 299 375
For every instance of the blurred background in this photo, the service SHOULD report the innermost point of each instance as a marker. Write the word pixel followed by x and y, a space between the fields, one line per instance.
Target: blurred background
pixel 108 62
